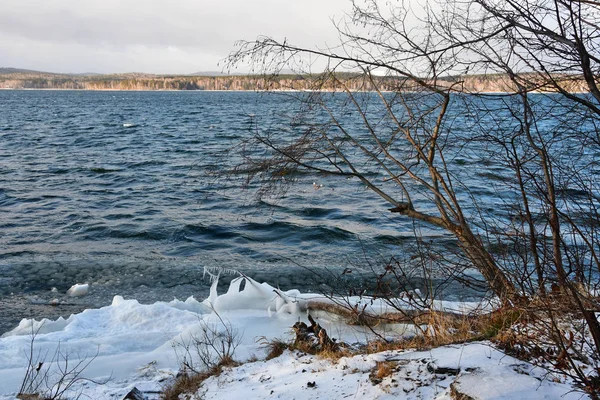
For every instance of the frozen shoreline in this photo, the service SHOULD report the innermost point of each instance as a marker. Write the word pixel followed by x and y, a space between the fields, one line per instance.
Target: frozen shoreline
pixel 136 345
pixel 14 308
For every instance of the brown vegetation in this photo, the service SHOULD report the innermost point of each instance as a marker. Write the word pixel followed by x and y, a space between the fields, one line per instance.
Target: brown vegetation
pixel 190 382
pixel 382 370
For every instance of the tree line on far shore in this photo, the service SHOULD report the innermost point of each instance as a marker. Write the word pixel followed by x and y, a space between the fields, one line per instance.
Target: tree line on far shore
pixel 352 81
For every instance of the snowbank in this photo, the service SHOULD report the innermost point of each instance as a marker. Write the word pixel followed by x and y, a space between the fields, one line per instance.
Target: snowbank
pixel 135 344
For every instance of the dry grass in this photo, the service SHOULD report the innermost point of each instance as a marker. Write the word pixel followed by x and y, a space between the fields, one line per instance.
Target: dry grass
pixel 184 383
pixel 191 382
pixel 544 335
pixel 253 358
pixel 437 328
pixel 377 346
pixel 382 370
pixel 335 355
pixel 274 347
pixel 359 317
pixel 440 329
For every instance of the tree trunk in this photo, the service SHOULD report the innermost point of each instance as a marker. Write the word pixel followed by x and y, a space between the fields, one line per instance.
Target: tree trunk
pixel 485 264
pixel 473 250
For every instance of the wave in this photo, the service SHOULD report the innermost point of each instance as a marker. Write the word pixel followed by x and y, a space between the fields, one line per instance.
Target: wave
pixel 100 170
pixel 101 231
pixel 319 212
pixel 287 231
pixel 145 163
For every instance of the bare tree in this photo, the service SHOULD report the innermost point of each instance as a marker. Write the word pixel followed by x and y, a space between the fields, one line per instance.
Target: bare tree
pixel 55 374
pixel 403 134
pixel 398 104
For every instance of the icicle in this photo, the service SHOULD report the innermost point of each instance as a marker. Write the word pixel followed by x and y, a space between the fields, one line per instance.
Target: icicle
pixel 213 295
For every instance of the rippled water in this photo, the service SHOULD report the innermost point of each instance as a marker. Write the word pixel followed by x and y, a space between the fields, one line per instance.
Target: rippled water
pixel 128 191
pixel 124 190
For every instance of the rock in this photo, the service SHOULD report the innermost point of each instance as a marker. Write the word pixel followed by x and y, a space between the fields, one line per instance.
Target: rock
pixel 456 394
pixel 134 394
pixel 442 370
pixel 465 385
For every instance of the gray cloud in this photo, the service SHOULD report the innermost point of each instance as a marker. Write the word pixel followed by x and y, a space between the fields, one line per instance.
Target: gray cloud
pixel 174 36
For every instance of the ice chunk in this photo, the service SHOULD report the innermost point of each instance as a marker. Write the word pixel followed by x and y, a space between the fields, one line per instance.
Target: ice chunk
pixel 78 289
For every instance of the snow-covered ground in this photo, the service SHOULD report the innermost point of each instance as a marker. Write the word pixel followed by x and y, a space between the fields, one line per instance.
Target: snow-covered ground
pixel 131 344
pixel 477 370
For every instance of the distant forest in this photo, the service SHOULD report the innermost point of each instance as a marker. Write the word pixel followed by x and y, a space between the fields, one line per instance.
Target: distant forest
pixel 23 79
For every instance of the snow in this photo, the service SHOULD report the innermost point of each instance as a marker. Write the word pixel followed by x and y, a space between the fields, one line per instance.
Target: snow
pixel 485 373
pixel 133 344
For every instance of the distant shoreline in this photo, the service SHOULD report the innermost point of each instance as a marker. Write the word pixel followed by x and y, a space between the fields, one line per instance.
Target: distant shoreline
pixel 497 93
pixel 480 84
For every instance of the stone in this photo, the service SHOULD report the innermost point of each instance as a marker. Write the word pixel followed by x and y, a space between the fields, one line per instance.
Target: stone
pixel 134 394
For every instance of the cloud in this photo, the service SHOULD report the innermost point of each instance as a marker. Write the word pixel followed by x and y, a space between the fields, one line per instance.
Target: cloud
pixel 152 35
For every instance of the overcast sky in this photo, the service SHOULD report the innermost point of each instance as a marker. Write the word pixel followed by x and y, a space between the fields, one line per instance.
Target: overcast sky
pixel 154 36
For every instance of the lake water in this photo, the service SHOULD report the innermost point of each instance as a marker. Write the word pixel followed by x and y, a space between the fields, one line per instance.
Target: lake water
pixel 131 192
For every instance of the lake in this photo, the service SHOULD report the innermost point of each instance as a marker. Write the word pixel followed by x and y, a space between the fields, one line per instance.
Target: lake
pixel 135 193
